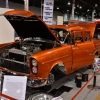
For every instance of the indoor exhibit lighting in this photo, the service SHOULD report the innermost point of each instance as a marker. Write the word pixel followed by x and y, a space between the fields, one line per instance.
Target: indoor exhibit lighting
pixel 88 10
pixel 80 7
pixel 77 5
pixel 68 3
pixel 57 7
pixel 96 5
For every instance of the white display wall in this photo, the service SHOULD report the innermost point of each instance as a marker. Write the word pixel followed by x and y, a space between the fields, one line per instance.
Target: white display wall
pixel 59 20
pixel 6 30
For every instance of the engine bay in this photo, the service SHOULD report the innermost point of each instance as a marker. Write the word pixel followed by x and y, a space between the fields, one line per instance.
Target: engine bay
pixel 25 48
pixel 16 56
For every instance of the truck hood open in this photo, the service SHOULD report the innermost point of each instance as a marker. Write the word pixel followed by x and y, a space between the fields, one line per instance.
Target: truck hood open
pixel 27 24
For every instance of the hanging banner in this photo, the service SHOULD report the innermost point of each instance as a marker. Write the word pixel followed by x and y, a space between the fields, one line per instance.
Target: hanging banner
pixel 7 4
pixel 48 11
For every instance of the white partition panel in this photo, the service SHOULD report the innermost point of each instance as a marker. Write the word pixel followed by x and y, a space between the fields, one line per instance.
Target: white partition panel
pixel 59 20
pixel 6 30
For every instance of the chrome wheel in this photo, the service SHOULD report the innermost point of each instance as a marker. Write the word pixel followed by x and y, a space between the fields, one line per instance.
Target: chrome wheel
pixel 40 96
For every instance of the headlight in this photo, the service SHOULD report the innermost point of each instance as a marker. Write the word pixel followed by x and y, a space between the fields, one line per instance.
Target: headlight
pixel 34 66
pixel 34 70
pixel 34 63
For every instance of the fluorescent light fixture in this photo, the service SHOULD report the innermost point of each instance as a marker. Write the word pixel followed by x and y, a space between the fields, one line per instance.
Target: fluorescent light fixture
pixel 77 5
pixel 80 7
pixel 88 10
pixel 96 5
pixel 68 3
pixel 57 7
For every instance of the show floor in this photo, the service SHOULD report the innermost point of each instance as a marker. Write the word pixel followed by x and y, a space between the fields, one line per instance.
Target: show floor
pixel 65 87
pixel 82 93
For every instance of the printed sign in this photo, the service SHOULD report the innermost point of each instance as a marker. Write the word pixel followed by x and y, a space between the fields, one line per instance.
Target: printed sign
pixel 15 86
pixel 48 11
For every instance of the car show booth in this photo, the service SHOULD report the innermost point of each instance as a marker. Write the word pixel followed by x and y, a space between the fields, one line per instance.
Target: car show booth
pixel 43 61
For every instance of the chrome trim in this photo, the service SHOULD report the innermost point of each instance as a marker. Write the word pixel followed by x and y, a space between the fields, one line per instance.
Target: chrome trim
pixel 12 60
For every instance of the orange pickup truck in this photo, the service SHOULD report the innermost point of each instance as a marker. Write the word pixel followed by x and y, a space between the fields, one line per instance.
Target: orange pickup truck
pixel 39 51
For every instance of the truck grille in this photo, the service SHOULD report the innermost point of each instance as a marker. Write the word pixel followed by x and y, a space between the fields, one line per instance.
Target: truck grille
pixel 17 55
pixel 15 65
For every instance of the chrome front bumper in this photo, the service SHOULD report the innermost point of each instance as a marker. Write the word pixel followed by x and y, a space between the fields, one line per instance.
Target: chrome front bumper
pixel 34 83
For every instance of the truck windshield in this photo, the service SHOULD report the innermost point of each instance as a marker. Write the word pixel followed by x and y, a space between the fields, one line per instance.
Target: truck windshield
pixel 60 33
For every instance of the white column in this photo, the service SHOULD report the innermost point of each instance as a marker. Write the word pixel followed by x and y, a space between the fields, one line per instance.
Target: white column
pixel 7 4
pixel 93 15
pixel 26 4
pixel 41 9
pixel 73 5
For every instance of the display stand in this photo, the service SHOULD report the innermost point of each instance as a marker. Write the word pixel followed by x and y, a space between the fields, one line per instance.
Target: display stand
pixel 96 66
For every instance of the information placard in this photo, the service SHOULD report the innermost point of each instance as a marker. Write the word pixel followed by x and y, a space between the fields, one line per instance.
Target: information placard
pixel 15 86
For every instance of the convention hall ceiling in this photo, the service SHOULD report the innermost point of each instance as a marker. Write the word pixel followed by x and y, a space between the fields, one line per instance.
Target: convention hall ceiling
pixel 82 7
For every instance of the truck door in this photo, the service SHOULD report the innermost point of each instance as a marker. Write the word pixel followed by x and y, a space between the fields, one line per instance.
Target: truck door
pixel 96 37
pixel 82 48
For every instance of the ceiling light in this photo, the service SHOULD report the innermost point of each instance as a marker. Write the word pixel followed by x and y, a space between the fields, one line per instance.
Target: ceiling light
pixel 80 7
pixel 68 3
pixel 96 5
pixel 88 10
pixel 74 7
pixel 57 7
pixel 95 11
pixel 77 5
pixel 67 10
